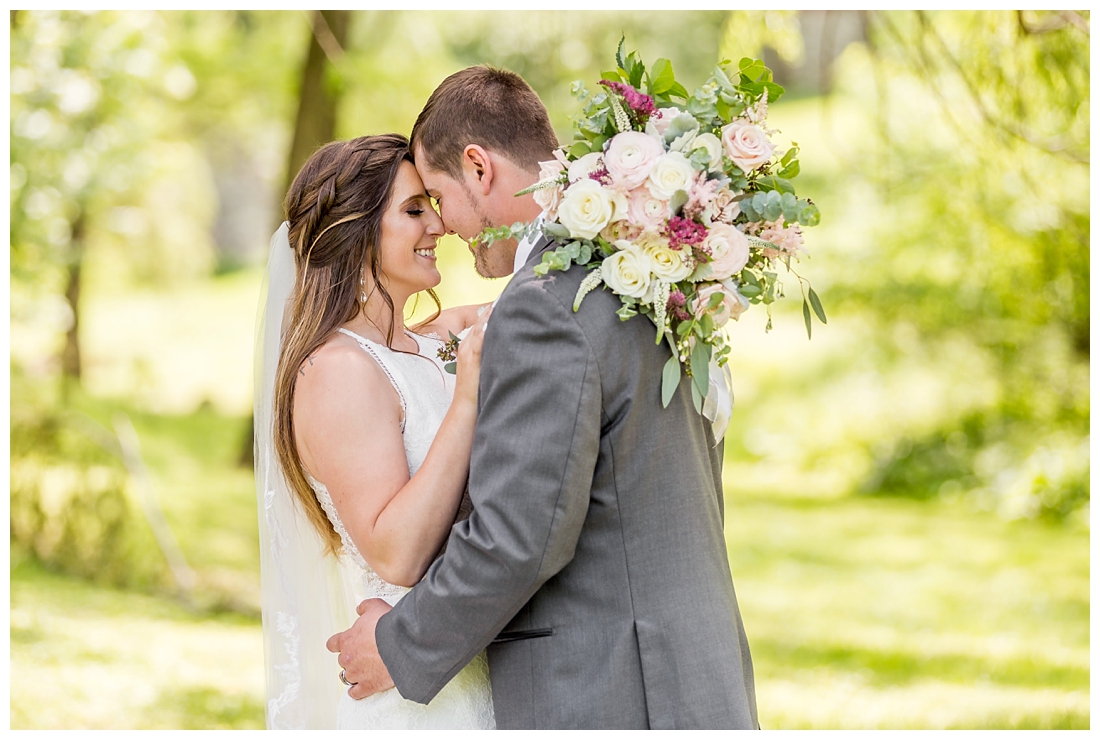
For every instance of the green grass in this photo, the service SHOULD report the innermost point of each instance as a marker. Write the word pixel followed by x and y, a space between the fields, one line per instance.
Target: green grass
pixel 871 613
pixel 86 657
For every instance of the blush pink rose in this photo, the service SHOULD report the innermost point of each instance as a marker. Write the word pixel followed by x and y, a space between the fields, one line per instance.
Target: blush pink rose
pixel 729 250
pixel 731 306
pixel 746 144
pixel 629 158
pixel 646 210
pixel 662 119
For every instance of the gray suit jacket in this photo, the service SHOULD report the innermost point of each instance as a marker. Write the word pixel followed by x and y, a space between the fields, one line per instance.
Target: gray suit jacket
pixel 594 565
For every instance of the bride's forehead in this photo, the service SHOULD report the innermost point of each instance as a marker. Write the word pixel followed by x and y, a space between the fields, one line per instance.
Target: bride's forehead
pixel 407 182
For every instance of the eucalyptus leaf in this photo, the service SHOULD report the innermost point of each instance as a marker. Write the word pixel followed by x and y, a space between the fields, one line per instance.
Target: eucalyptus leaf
pixel 700 366
pixel 553 228
pixel 723 78
pixel 451 367
pixel 579 149
pixel 696 399
pixel 815 302
pixel 809 215
pixel 806 316
pixel 670 379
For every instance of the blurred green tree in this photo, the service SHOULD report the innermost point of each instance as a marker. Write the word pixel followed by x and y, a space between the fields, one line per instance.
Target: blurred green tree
pixel 979 157
pixel 81 84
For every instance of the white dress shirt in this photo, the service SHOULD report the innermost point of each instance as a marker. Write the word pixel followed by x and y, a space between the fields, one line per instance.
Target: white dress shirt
pixel 524 248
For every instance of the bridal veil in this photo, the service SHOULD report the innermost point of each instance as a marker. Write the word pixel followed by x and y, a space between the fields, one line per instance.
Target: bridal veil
pixel 304 599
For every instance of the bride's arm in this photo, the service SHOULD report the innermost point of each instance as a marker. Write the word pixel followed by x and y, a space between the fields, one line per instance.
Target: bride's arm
pixel 454 320
pixel 347 420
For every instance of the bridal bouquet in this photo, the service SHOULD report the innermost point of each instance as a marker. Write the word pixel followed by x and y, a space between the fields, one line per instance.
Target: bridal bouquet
pixel 679 204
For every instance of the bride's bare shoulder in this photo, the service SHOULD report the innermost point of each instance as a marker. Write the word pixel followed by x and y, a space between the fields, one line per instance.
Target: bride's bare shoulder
pixel 341 368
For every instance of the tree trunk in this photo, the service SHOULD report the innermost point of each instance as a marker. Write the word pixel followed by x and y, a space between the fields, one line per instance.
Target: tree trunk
pixel 317 101
pixel 316 121
pixel 70 354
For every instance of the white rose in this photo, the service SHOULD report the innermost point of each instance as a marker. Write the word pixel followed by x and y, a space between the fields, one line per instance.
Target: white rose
pixel 672 172
pixel 549 198
pixel 729 251
pixel 668 263
pixel 586 208
pixel 627 271
pixel 746 144
pixel 585 166
pixel 712 146
pixel 630 157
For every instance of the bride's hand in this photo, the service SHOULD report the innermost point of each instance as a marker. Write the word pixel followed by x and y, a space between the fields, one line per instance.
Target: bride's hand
pixel 469 360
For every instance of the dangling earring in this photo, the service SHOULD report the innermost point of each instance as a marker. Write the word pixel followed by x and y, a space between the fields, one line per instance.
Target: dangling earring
pixel 362 288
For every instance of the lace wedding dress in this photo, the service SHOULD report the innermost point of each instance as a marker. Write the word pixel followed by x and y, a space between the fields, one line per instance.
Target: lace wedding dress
pixel 425 391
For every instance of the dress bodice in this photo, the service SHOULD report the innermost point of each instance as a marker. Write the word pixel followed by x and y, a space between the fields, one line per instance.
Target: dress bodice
pixel 425 391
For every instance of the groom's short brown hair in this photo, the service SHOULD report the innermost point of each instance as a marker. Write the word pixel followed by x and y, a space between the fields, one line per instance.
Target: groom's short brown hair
pixel 493 108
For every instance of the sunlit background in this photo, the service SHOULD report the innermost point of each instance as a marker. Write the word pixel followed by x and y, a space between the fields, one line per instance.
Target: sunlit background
pixel 907 491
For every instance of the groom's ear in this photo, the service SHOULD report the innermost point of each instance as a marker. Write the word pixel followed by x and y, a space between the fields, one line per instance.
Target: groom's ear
pixel 478 168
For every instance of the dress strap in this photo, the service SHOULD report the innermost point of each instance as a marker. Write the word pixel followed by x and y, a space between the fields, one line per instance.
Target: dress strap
pixel 366 345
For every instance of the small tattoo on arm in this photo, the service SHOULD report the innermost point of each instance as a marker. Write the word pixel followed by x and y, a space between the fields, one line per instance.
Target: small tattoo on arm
pixel 302 370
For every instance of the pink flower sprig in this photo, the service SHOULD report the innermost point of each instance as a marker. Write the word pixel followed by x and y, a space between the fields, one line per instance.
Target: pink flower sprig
pixel 685 232
pixel 640 103
pixel 677 306
pixel 600 175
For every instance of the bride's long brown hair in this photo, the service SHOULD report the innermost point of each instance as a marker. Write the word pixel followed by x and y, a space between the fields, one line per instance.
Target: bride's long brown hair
pixel 335 208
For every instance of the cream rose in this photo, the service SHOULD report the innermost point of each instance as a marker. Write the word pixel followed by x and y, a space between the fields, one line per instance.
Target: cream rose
pixel 586 208
pixel 627 272
pixel 667 263
pixel 672 172
pixel 746 144
pixel 585 166
pixel 629 158
pixel 729 250
pixel 549 198
pixel 647 211
pixel 712 146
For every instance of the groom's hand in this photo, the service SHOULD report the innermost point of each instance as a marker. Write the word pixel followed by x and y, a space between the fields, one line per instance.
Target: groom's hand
pixel 358 651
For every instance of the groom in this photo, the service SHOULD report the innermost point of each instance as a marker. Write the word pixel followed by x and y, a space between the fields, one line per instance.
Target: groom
pixel 593 568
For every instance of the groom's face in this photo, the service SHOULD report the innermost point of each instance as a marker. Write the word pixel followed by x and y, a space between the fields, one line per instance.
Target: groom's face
pixel 464 214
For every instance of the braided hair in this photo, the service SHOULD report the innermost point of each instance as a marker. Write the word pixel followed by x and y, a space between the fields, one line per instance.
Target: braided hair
pixel 335 208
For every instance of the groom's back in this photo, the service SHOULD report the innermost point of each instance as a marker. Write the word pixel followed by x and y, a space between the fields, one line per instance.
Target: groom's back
pixel 640 627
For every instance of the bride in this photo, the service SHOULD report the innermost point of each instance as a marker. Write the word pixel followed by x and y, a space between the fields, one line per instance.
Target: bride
pixel 363 441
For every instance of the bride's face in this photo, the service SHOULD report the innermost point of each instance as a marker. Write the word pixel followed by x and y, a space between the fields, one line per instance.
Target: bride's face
pixel 410 229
